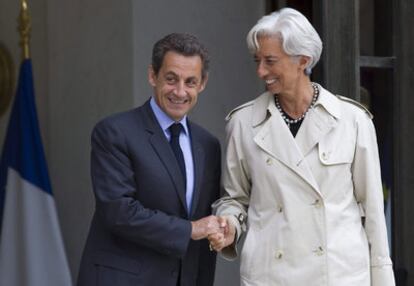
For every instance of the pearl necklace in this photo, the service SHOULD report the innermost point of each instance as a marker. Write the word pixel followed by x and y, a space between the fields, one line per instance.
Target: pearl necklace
pixel 300 118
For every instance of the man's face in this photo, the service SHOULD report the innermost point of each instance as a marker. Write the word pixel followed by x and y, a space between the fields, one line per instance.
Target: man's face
pixel 177 84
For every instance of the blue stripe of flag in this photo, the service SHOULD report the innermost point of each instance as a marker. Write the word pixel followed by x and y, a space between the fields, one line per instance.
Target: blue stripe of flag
pixel 23 150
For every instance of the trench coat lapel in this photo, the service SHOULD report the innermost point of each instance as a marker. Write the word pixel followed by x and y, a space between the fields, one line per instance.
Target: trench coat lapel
pixel 165 154
pixel 319 121
pixel 316 125
pixel 275 138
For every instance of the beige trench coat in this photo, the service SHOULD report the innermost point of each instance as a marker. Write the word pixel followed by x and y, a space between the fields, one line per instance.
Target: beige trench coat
pixel 304 196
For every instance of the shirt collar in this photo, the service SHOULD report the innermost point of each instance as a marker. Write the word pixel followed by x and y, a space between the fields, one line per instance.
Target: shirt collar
pixel 164 120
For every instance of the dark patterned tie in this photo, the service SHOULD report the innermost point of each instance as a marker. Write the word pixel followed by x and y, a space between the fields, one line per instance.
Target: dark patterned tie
pixel 175 130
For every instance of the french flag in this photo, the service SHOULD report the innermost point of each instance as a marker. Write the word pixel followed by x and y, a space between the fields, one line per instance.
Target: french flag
pixel 31 246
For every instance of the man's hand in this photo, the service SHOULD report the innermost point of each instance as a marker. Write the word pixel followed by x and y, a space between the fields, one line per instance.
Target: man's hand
pixel 220 240
pixel 203 227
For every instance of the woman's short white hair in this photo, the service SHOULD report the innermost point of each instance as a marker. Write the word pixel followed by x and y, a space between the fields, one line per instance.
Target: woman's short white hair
pixel 297 35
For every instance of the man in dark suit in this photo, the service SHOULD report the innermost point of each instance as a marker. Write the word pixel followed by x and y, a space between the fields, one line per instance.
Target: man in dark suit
pixel 155 175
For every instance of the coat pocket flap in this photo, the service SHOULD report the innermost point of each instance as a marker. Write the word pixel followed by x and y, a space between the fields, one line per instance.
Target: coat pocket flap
pixel 331 155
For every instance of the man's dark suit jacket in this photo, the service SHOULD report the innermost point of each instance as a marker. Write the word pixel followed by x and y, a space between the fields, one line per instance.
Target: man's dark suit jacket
pixel 140 232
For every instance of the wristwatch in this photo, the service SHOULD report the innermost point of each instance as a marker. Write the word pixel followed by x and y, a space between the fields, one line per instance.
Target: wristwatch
pixel 241 218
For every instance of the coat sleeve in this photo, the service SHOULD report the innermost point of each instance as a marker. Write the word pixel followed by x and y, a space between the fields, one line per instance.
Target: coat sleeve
pixel 368 191
pixel 236 184
pixel 122 214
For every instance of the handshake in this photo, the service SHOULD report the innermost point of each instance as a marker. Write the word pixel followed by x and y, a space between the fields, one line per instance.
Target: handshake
pixel 217 229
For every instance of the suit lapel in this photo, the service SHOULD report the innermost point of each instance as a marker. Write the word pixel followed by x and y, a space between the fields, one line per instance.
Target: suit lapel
pixel 198 159
pixel 165 154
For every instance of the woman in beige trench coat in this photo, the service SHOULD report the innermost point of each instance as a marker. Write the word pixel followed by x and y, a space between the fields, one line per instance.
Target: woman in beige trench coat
pixel 302 175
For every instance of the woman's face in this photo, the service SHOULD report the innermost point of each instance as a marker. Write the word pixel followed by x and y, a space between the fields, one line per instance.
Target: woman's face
pixel 280 71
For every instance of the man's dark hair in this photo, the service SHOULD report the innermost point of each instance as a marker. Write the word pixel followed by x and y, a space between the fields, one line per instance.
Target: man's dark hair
pixel 183 44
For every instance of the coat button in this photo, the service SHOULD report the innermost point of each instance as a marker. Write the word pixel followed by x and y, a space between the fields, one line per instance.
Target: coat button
pixel 279 208
pixel 279 254
pixel 319 251
pixel 317 203
pixel 269 161
pixel 325 155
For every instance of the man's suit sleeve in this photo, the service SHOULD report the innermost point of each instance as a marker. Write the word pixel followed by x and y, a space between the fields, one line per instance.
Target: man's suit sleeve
pixel 114 188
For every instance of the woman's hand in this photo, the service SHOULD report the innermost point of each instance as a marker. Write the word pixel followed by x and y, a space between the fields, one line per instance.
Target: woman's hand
pixel 224 237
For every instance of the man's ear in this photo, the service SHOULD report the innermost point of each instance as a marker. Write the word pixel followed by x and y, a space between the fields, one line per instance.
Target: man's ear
pixel 203 83
pixel 152 77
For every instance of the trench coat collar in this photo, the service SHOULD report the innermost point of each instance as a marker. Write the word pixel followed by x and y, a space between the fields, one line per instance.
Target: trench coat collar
pixel 265 104
pixel 261 107
pixel 329 102
pixel 275 138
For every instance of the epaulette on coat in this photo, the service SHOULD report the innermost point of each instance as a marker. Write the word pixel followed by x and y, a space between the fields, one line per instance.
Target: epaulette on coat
pixel 229 115
pixel 356 103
